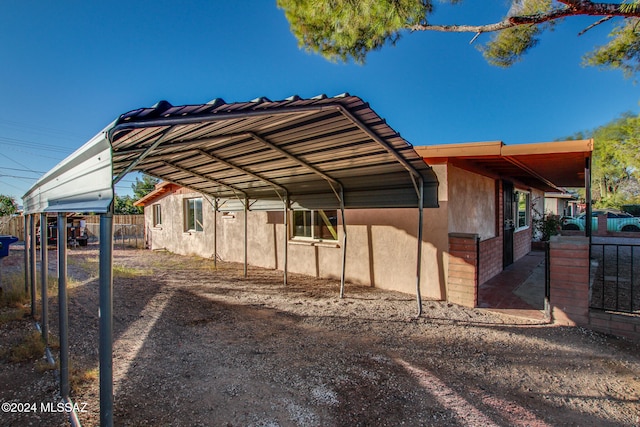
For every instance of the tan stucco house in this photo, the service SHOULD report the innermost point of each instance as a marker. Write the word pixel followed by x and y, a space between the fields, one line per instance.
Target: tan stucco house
pixel 488 194
pixel 280 184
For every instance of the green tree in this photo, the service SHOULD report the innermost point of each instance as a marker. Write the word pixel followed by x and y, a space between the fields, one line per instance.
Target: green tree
pixel 8 205
pixel 350 29
pixel 124 206
pixel 144 186
pixel 141 187
pixel 616 162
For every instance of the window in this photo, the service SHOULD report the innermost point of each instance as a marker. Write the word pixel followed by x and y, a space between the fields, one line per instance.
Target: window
pixel 316 225
pixel 157 215
pixel 193 214
pixel 521 202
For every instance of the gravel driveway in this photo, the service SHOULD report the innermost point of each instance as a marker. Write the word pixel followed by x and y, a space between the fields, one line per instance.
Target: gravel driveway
pixel 202 346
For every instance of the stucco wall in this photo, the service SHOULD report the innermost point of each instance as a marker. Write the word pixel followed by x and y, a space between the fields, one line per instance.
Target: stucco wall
pixel 554 206
pixel 557 206
pixel 472 203
pixel 382 243
pixel 170 235
pixel 381 247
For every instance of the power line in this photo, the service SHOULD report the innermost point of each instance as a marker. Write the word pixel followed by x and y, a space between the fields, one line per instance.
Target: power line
pixel 31 153
pixel 21 170
pixel 17 162
pixel 18 177
pixel 4 140
pixel 34 128
pixel 11 185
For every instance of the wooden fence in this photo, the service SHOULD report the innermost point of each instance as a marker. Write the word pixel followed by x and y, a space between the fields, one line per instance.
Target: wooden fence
pixel 14 225
pixel 118 219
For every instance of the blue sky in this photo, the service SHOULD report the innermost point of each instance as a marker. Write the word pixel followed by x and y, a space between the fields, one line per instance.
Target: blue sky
pixel 69 68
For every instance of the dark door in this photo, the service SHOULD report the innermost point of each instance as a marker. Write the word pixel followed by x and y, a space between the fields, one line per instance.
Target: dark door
pixel 509 223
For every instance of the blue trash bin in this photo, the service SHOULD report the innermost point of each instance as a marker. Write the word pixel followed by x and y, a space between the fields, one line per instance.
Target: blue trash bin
pixel 5 241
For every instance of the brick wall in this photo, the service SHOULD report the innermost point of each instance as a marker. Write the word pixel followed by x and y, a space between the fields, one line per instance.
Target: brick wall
pixel 569 294
pixel 521 243
pixel 490 262
pixel 491 250
pixel 462 283
pixel 615 324
pixel 570 291
pixel 499 208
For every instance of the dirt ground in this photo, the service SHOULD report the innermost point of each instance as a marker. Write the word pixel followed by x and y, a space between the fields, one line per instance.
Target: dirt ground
pixel 197 345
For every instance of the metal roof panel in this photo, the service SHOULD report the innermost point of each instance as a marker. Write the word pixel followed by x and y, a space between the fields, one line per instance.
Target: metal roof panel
pixel 306 146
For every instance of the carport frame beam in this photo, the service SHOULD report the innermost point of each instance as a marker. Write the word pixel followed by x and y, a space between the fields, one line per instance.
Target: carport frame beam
pixel 32 263
pixel 246 212
pixel 63 310
pixel 333 183
pixel 419 187
pixel 106 318
pixel 285 266
pixel 26 254
pixel 44 278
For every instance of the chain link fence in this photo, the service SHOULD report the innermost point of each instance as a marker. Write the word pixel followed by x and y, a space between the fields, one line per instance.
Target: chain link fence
pixel 124 235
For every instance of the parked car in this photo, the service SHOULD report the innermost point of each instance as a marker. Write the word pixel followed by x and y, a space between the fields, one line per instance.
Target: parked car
pixel 616 221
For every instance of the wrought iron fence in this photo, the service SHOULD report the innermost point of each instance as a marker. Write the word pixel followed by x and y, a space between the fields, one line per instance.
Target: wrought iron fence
pixel 615 277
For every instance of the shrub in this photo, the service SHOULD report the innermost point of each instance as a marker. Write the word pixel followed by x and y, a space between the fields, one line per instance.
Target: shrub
pixel 12 292
pixel 547 226
pixel 31 348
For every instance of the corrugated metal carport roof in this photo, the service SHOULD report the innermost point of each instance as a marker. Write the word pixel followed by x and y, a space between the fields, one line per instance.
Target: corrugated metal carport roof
pixel 317 151
pixel 314 153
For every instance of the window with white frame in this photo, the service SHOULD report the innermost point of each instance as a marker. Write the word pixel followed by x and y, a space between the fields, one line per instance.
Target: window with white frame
pixel 315 225
pixel 193 214
pixel 522 205
pixel 157 215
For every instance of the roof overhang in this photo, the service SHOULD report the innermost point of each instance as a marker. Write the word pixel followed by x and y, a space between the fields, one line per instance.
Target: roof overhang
pixel 319 153
pixel 548 166
pixel 161 189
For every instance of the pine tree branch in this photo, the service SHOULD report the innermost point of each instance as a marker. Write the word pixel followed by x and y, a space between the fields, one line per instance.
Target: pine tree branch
pixel 573 8
pixel 595 24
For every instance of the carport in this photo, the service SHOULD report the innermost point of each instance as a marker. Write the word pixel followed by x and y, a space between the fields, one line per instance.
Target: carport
pixel 318 153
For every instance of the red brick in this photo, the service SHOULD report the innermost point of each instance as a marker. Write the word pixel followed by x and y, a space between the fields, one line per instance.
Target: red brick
pixel 566 286
pixel 600 323
pixel 455 268
pixel 576 261
pixel 462 296
pixel 569 275
pixel 462 246
pixel 569 295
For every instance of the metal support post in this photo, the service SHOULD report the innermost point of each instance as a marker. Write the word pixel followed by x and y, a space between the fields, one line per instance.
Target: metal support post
pixel 44 278
pixel 419 255
pixel 587 197
pixel 246 211
pixel 286 238
pixel 32 263
pixel 26 254
pixel 215 233
pixel 106 319
pixel 344 244
pixel 63 312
